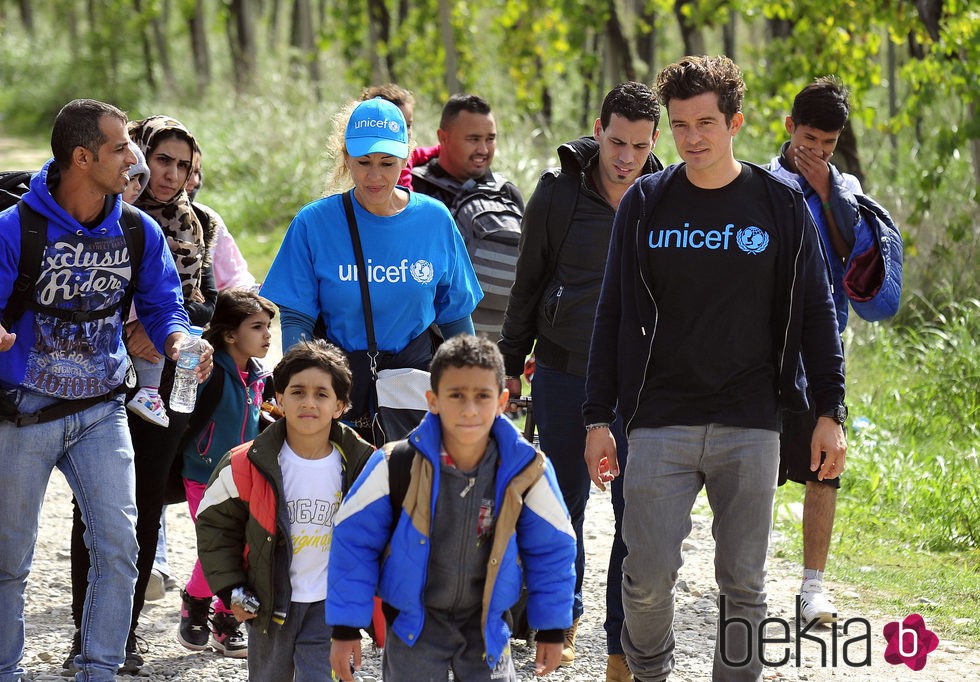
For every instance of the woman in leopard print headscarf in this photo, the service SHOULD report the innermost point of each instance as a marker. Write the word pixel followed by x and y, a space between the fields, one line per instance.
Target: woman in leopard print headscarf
pixel 168 147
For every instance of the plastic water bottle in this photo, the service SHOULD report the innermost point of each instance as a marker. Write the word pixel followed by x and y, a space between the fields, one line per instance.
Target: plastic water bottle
pixel 184 395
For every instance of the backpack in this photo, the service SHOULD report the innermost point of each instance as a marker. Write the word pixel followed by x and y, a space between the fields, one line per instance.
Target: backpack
pixel 33 239
pixel 490 222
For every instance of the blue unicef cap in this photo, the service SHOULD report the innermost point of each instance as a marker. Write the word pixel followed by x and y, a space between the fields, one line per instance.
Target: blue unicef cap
pixel 377 126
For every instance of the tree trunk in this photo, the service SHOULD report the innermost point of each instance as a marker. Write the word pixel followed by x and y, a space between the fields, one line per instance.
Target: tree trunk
pixel 893 100
pixel 148 60
pixel 619 46
pixel 449 45
pixel 27 16
pixel 274 20
pixel 592 80
pixel 196 26
pixel 779 28
pixel 379 30
pixel 241 38
pixel 646 42
pixel 728 35
pixel 302 38
pixel 975 152
pixel 158 30
pixel 692 35
pixel 846 155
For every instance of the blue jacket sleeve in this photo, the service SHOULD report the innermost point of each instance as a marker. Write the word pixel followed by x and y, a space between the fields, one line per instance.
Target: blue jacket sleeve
pixel 361 532
pixel 463 325
pixel 547 548
pixel 295 326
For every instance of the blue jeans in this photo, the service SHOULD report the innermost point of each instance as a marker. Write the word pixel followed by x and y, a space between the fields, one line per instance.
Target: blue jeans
pixel 93 450
pixel 557 404
pixel 668 467
pixel 298 650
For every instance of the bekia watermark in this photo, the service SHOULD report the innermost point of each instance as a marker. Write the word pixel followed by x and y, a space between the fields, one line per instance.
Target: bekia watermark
pixel 909 642
pixel 849 643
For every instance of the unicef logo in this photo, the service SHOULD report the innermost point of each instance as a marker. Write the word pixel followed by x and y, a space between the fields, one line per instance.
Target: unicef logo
pixel 752 239
pixel 394 127
pixel 422 271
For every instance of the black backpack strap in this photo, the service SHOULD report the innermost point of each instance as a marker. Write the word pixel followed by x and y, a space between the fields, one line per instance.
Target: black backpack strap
pixel 135 235
pixel 204 409
pixel 400 455
pixel 33 239
pixel 446 183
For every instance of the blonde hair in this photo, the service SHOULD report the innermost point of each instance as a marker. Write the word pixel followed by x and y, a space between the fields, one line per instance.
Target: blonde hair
pixel 339 180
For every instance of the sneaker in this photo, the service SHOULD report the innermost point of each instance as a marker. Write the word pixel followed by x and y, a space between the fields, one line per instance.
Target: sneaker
pixel 617 669
pixel 68 666
pixel 156 589
pixel 169 583
pixel 135 645
pixel 149 406
pixel 193 629
pixel 568 647
pixel 227 636
pixel 814 604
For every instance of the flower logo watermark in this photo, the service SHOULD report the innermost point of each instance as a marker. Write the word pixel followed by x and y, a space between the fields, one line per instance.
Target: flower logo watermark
pixel 909 642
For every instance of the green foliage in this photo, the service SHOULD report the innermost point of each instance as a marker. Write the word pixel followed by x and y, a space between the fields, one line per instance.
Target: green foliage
pixel 914 465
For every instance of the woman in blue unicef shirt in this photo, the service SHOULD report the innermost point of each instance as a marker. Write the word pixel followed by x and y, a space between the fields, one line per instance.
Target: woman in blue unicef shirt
pixel 417 267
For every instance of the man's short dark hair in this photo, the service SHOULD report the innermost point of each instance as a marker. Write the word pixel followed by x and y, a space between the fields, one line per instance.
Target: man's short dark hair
pixel 465 350
pixel 457 103
pixel 823 105
pixel 693 76
pixel 633 101
pixel 78 124
pixel 316 353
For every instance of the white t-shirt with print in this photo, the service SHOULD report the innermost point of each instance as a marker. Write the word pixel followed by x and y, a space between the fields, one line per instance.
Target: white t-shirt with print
pixel 313 492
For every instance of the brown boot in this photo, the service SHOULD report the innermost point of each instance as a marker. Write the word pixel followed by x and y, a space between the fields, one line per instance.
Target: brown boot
pixel 617 669
pixel 568 648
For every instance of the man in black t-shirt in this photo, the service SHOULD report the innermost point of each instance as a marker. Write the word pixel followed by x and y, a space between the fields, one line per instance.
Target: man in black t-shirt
pixel 714 278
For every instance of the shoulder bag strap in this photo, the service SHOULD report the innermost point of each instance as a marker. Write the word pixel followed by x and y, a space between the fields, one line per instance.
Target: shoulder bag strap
pixel 362 279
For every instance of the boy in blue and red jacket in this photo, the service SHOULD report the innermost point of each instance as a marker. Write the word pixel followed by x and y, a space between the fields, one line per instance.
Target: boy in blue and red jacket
pixel 480 512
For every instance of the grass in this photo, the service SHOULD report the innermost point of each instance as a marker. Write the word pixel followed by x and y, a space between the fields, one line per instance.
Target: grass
pixel 907 531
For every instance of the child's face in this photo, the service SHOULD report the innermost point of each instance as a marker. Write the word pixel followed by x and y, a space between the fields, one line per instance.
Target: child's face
pixel 467 402
pixel 132 189
pixel 251 339
pixel 310 404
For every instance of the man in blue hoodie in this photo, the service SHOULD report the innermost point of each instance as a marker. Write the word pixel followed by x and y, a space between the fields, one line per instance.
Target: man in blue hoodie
pixel 714 278
pixel 63 370
pixel 815 125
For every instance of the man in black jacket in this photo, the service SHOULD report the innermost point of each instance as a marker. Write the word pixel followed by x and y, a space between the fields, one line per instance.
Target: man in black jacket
pixel 564 243
pixel 714 279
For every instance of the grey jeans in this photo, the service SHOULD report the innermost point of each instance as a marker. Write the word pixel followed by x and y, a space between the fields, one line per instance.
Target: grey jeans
pixel 667 469
pixel 299 650
pixel 448 642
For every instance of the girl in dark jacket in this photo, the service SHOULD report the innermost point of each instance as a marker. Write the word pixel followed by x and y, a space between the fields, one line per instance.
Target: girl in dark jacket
pixel 240 334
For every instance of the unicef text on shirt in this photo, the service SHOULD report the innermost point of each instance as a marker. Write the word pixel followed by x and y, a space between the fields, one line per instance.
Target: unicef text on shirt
pixel 421 271
pixel 750 239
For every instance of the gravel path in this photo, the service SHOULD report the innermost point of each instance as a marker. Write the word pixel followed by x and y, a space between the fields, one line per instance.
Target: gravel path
pixel 49 629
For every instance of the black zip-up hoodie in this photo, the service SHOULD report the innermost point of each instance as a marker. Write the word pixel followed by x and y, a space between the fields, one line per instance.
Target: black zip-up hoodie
pixel 803 318
pixel 564 241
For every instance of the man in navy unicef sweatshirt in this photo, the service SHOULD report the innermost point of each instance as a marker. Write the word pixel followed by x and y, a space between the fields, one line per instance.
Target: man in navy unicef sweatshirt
pixel 714 297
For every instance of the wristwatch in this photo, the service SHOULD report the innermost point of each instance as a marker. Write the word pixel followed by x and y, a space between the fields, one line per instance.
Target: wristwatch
pixel 838 413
